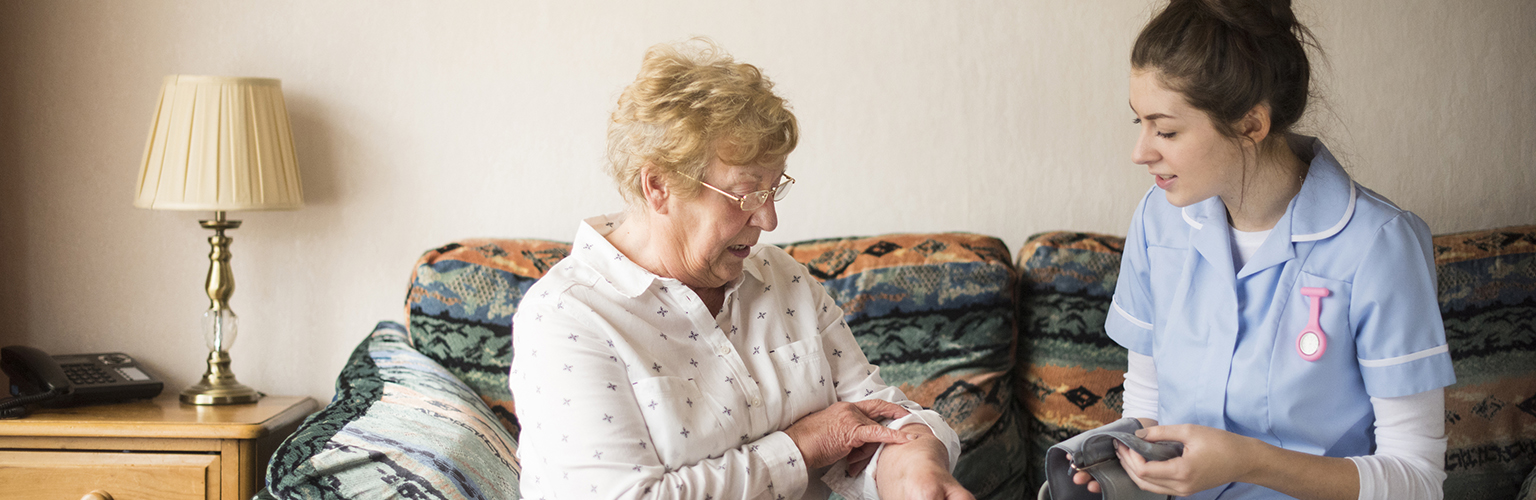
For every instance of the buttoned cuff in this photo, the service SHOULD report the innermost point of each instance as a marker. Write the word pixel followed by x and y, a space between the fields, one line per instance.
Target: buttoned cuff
pixel 863 486
pixel 786 468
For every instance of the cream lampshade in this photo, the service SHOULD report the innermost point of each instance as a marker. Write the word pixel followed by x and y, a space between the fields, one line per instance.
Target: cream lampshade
pixel 219 144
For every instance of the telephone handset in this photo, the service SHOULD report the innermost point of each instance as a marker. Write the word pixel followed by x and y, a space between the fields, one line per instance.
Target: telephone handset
pixel 73 379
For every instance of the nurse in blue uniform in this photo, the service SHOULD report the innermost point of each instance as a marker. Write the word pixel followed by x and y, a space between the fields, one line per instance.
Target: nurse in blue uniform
pixel 1281 318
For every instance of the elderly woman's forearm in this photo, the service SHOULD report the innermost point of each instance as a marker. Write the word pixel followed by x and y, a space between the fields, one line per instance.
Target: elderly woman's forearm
pixel 927 445
pixel 921 461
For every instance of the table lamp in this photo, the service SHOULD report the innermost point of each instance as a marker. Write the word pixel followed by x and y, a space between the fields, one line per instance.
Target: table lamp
pixel 219 144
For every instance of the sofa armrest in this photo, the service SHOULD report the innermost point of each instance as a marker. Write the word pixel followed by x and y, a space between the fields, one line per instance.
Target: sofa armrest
pixel 399 423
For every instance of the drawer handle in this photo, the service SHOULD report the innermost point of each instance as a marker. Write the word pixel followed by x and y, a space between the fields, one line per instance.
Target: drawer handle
pixel 97 495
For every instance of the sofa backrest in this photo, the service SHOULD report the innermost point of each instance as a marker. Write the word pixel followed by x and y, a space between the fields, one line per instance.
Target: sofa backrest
pixel 460 307
pixel 1073 374
pixel 934 311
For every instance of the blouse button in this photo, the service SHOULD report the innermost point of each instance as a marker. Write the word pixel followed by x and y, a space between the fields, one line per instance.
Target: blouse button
pixel 723 349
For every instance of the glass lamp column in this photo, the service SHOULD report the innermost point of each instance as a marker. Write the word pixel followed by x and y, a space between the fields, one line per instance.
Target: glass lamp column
pixel 220 324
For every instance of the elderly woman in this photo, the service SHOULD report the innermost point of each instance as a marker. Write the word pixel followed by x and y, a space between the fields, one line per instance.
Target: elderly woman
pixel 672 356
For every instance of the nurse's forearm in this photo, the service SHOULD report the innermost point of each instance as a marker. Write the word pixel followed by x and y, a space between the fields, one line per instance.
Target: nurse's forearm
pixel 1304 475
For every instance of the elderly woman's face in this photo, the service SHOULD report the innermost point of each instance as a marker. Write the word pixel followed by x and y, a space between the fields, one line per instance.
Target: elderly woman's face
pixel 714 235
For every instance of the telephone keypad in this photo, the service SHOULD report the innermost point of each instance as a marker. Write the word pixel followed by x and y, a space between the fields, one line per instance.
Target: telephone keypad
pixel 86 373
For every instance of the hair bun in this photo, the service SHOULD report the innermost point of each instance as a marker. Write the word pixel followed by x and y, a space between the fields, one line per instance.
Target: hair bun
pixel 1258 17
pixel 1227 56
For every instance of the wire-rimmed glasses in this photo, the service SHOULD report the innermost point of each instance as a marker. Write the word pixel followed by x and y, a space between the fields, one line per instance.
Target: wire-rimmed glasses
pixel 754 200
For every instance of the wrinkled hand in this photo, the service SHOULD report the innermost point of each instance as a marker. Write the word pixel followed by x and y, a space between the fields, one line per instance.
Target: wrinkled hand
pixel 918 470
pixel 829 435
pixel 1212 457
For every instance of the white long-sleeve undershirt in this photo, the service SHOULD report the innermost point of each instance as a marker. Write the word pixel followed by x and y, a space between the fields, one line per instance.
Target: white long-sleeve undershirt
pixel 1409 461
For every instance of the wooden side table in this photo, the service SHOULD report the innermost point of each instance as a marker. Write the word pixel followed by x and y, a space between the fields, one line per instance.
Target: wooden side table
pixel 152 449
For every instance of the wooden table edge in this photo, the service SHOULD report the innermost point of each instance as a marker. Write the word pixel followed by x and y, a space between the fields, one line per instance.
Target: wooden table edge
pixel 296 410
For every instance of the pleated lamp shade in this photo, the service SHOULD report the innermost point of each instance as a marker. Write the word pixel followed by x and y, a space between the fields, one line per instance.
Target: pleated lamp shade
pixel 220 143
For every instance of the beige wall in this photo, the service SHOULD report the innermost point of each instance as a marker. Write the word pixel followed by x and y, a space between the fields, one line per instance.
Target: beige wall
pixel 421 122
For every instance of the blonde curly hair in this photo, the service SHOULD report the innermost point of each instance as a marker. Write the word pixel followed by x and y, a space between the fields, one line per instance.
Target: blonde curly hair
pixel 690 103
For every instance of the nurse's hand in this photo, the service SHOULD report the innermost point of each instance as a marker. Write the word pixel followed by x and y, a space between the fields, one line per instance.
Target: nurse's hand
pixel 829 435
pixel 1212 457
pixel 1084 478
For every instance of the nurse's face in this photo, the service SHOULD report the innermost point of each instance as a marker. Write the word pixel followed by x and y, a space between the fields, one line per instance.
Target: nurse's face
pixel 1187 157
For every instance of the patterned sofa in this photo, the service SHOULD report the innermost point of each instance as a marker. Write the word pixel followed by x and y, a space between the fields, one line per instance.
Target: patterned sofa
pixel 1011 350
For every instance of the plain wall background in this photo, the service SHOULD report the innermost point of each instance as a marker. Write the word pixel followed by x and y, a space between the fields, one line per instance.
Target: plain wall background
pixel 418 123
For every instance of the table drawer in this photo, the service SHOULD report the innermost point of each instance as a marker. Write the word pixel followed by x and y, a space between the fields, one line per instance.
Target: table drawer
pixel 70 475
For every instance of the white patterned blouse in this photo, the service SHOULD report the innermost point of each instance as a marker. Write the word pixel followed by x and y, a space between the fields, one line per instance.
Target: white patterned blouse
pixel 626 387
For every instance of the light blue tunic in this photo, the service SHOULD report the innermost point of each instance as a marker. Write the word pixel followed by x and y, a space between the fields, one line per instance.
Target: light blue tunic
pixel 1224 340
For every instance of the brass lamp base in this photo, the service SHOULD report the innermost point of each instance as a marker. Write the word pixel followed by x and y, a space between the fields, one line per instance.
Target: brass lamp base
pixel 218 386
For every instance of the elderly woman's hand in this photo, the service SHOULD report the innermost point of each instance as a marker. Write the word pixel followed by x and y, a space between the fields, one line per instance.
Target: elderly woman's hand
pixel 918 470
pixel 829 435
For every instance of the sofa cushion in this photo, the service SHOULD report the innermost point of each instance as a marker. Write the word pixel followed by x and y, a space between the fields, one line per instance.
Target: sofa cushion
pixel 400 426
pixel 1488 301
pixel 1073 375
pixel 460 306
pixel 934 312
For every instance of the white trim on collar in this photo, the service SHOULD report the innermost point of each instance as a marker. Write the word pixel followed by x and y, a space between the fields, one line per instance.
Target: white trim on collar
pixel 1349 211
pixel 1185 212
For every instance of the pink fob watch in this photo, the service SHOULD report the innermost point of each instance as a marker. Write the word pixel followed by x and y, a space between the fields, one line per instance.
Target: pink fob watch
pixel 1312 341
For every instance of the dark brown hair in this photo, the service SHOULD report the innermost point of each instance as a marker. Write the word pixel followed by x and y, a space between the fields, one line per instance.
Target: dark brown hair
pixel 1227 56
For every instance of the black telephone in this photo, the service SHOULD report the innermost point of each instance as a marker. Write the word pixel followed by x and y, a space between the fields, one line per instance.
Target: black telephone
pixel 72 379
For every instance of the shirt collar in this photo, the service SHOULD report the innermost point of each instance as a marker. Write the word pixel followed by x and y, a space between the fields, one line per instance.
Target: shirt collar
pixel 1321 209
pixel 629 279
pixel 750 267
pixel 593 249
pixel 1327 198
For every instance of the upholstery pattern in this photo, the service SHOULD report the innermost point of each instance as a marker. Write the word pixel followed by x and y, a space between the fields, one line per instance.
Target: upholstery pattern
pixel 1488 301
pixel 1072 375
pixel 416 414
pixel 933 311
pixel 400 426
pixel 460 306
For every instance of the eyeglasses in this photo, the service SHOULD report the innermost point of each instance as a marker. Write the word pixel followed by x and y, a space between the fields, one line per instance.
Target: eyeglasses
pixel 756 199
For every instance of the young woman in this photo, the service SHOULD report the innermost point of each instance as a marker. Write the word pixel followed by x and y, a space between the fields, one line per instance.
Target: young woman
pixel 1281 318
